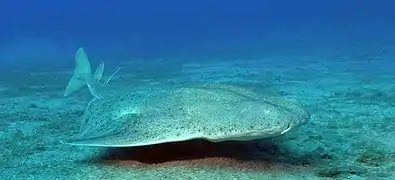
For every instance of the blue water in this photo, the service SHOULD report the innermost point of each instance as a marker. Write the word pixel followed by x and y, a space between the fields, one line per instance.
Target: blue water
pixel 337 57
pixel 180 28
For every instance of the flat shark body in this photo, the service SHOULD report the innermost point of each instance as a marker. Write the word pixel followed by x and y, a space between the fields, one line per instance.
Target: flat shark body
pixel 213 112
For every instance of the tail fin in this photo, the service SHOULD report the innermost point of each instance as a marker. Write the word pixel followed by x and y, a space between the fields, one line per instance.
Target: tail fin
pixel 83 75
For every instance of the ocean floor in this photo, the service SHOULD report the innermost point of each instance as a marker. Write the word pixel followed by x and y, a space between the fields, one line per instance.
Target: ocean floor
pixel 350 134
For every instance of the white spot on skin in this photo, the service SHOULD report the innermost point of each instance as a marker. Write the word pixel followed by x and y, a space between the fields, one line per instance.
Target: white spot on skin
pixel 267 111
pixel 127 111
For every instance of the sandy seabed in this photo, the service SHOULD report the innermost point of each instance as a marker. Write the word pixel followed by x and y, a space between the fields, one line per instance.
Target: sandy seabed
pixel 350 134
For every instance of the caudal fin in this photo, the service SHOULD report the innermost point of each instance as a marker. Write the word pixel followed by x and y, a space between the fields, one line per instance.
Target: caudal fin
pixel 82 75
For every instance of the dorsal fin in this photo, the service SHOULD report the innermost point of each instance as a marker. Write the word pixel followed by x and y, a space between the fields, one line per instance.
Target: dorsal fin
pixel 82 76
pixel 94 86
pixel 99 72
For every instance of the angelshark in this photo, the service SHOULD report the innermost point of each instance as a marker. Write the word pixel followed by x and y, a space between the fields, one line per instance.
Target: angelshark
pixel 212 112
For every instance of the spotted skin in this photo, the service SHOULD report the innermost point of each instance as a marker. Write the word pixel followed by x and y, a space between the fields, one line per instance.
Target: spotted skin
pixel 212 112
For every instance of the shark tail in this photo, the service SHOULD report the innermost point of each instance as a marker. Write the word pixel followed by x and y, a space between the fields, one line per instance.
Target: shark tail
pixel 82 76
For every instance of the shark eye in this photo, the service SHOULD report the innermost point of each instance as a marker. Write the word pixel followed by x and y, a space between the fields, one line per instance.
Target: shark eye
pixel 287 129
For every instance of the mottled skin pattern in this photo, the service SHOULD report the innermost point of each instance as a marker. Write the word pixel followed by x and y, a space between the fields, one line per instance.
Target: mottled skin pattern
pixel 212 112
